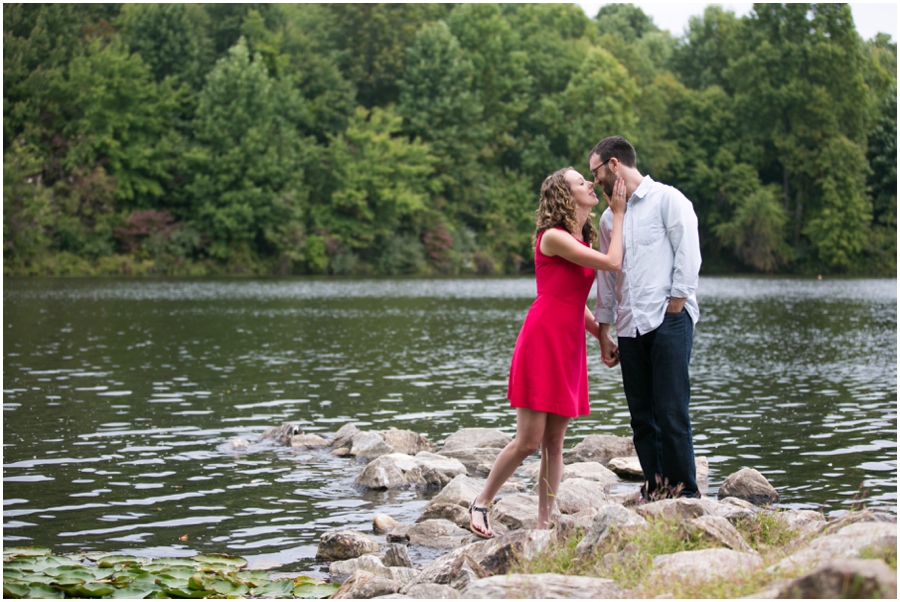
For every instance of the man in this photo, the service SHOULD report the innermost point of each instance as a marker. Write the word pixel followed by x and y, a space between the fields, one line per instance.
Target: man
pixel 654 306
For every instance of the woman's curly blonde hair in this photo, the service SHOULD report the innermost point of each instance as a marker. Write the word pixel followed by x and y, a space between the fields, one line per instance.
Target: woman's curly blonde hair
pixel 556 207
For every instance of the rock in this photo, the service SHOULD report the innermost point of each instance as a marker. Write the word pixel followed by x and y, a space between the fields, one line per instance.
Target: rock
pixel 497 555
pixel 364 585
pixel 432 591
pixel 369 445
pixel 680 508
pixel 732 509
pixel 600 448
pixel 846 543
pixel 575 495
pixel 570 524
pixel 312 441
pixel 382 523
pixel 342 569
pixel 703 565
pixel 281 434
pixel 628 467
pixel 514 512
pixel 845 579
pixel 239 443
pixel 863 516
pixel 448 466
pixel 477 460
pixel 748 484
pixel 452 512
pixel 455 569
pixel 407 442
pixel 341 452
pixel 475 437
pixel 438 533
pixel 345 544
pixel 607 518
pixel 482 559
pixel 462 489
pixel 719 530
pixel 345 436
pixel 806 523
pixel 593 471
pixel 397 555
pixel 541 587
pixel 392 471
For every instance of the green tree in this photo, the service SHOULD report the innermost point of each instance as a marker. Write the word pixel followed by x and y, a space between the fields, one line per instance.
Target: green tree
pixel 27 208
pixel 799 87
pixel 379 184
pixel 248 163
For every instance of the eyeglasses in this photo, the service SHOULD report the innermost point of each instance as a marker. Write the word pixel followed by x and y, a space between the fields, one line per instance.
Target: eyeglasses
pixel 594 171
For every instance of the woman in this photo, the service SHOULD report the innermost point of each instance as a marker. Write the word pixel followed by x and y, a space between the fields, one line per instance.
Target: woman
pixel 548 373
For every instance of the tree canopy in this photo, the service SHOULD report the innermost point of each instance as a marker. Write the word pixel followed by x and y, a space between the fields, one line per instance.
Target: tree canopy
pixel 368 139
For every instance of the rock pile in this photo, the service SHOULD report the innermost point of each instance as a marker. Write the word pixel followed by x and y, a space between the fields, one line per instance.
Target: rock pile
pixel 827 552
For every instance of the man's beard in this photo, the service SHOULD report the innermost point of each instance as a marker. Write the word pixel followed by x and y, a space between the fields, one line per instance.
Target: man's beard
pixel 607 185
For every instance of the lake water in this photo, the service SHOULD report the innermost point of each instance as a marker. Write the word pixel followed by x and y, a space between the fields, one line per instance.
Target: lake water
pixel 120 397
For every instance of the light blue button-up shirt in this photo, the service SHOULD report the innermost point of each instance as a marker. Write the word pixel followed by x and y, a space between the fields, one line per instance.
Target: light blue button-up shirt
pixel 662 260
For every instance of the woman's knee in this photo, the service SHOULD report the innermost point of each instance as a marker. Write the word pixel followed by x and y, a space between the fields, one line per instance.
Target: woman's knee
pixel 526 445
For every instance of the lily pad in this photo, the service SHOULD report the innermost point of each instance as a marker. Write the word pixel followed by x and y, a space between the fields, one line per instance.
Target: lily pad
pixel 316 590
pixel 26 551
pixel 135 592
pixel 254 578
pixel 39 590
pixel 15 590
pixel 95 590
pixel 236 562
pixel 160 564
pixel 282 587
pixel 179 592
pixel 114 560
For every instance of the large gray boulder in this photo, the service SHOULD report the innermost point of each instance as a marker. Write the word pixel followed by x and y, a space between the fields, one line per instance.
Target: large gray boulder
pixel 679 508
pixel 629 467
pixel 720 531
pixel 482 559
pixel 343 544
pixel 363 585
pixel 845 579
pixel 462 489
pixel 514 512
pixel 542 587
pixel 425 470
pixel 281 434
pixel 432 591
pixel 345 435
pixel 475 438
pixel 847 543
pixel 341 570
pixel 454 513
pixel 407 442
pixel 309 441
pixel 369 445
pixel 593 471
pixel 575 495
pixel 704 565
pixel 477 460
pixel 607 519
pixel 438 533
pixel 600 448
pixel 748 484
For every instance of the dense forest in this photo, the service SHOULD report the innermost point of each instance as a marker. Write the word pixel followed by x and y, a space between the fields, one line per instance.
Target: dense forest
pixel 370 139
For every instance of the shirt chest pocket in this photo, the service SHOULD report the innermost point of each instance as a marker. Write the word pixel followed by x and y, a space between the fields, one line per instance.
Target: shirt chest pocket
pixel 651 234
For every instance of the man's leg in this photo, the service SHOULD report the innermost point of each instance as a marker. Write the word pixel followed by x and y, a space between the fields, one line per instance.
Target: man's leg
pixel 670 355
pixel 637 380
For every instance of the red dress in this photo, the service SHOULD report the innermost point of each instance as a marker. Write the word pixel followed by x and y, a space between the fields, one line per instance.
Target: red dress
pixel 548 372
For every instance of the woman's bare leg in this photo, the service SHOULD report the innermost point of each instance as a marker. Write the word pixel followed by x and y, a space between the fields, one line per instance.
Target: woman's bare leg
pixel 529 434
pixel 551 466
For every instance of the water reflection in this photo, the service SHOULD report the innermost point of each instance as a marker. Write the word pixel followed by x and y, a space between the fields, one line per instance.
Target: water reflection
pixel 120 398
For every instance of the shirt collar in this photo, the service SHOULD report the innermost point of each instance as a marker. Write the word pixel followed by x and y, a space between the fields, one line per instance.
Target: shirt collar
pixel 644 188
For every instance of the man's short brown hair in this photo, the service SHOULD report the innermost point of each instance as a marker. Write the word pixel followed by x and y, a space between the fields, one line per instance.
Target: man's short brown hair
pixel 618 147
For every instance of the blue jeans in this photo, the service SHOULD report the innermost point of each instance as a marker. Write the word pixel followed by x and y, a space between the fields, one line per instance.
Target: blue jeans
pixel 658 390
